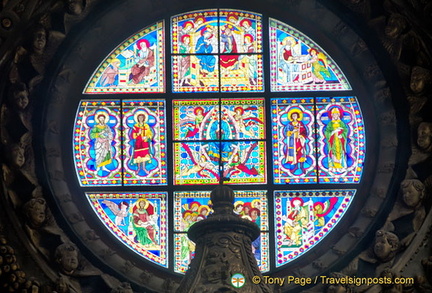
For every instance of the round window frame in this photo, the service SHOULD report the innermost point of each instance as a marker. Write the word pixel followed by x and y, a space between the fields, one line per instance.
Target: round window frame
pixel 360 220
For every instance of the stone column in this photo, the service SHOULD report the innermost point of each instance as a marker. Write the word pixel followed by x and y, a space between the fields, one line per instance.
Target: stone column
pixel 223 255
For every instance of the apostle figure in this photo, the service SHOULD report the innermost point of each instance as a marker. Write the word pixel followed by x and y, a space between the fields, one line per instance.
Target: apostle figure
pixel 143 135
pixel 336 137
pixel 103 137
pixel 296 137
pixel 145 60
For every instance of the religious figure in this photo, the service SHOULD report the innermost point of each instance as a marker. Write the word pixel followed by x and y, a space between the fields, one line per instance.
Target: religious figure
pixel 296 137
pixel 295 219
pixel 119 210
pixel 336 133
pixel 319 66
pixel 185 60
pixel 204 46
pixel 103 136
pixel 110 77
pixel 290 52
pixel 143 134
pixel 144 59
pixel 144 224
pixel 229 45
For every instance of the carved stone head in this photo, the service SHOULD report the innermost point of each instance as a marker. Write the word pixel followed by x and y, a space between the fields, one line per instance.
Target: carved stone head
pixel 66 255
pixel 16 155
pixel 413 192
pixel 39 39
pixel 35 212
pixel 420 79
pixel 424 136
pixel 385 246
pixel 18 96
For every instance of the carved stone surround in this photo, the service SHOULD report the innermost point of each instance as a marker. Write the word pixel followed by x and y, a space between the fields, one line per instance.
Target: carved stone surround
pixel 384 48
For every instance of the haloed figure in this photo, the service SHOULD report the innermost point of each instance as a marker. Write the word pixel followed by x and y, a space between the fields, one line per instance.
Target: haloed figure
pixel 143 134
pixel 103 137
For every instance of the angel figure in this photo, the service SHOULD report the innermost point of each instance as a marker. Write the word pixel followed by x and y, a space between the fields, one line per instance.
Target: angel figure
pixel 322 209
pixel 120 211
pixel 319 66
pixel 202 163
pixel 193 121
pixel 244 120
pixel 237 162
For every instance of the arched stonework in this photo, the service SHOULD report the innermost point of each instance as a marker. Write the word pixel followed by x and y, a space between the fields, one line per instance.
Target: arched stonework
pixel 45 44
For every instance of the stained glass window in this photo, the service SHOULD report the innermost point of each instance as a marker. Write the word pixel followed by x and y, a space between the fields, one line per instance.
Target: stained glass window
pixel 212 133
pixel 289 148
pixel 194 206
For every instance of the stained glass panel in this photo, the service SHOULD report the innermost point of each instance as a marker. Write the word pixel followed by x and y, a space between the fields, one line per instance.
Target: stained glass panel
pixel 194 24
pixel 135 66
pixel 294 155
pixel 304 218
pixel 245 75
pixel 97 143
pixel 194 206
pixel 137 220
pixel 197 39
pixel 299 64
pixel 144 142
pixel 341 141
pixel 197 162
pixel 199 119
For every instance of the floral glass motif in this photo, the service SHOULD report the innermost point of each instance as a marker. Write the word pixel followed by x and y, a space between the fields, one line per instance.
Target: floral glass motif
pixel 303 218
pixel 191 207
pixel 97 146
pixel 294 155
pixel 137 220
pixel 135 66
pixel 299 64
pixel 341 140
pixel 144 142
pixel 235 122
pixel 217 50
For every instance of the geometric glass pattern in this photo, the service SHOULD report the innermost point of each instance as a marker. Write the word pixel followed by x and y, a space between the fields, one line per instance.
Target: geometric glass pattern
pixel 317 140
pixel 137 220
pixel 217 50
pixel 135 66
pixel 299 64
pixel 304 217
pixel 211 133
pixel 193 206
pixel 117 143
